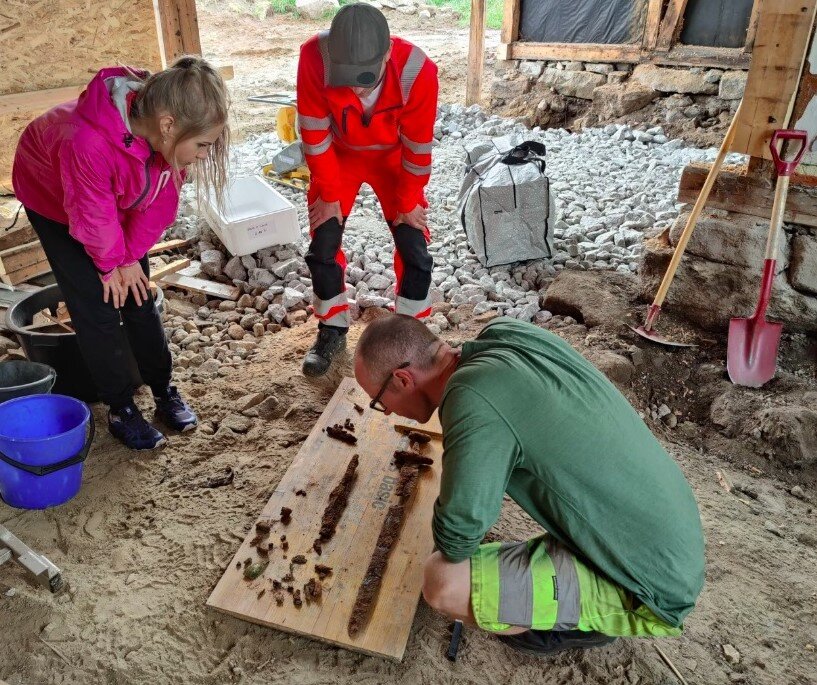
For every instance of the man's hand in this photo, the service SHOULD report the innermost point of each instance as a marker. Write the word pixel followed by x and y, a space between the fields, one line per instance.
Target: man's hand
pixel 320 212
pixel 112 289
pixel 135 280
pixel 416 218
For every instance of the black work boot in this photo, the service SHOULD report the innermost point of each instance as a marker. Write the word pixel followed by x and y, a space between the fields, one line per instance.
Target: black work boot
pixel 546 642
pixel 329 342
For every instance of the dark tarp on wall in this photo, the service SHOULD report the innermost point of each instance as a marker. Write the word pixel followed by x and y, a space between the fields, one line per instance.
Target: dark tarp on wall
pixel 582 21
pixel 717 23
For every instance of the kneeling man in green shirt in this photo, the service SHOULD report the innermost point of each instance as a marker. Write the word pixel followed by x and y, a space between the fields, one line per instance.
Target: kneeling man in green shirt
pixel 523 413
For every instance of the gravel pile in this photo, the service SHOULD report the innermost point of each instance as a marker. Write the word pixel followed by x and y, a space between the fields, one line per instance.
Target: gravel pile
pixel 612 186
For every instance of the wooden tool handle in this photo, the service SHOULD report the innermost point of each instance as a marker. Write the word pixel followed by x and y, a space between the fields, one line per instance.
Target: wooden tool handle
pixel 781 192
pixel 703 196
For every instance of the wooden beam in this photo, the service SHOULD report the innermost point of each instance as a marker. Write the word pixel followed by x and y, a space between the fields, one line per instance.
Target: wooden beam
pixel 738 190
pixel 37 101
pixel 180 28
pixel 671 25
pixel 701 56
pixel 17 237
pixel 751 31
pixel 652 25
pixel 588 52
pixel 510 28
pixel 476 53
pixel 784 30
pixel 166 269
pixel 168 245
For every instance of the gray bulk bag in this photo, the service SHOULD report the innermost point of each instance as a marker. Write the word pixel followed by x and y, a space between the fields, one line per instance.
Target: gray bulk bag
pixel 504 202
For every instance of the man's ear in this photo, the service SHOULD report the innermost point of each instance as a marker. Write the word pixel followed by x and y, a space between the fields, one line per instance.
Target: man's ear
pixel 404 378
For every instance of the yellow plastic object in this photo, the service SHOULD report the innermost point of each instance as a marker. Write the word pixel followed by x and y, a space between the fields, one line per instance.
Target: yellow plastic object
pixel 285 124
pixel 297 179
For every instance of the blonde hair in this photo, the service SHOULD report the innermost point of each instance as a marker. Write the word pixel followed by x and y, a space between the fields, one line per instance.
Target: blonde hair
pixel 194 94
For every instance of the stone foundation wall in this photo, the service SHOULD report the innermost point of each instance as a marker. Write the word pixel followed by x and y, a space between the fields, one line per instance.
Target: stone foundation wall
pixel 719 276
pixel 583 94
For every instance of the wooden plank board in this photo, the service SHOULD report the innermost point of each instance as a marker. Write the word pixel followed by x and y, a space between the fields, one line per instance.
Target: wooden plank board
pixel 751 31
pixel 17 258
pixel 19 236
pixel 588 52
pixel 784 29
pixel 737 190
pixel 679 55
pixel 476 53
pixel 180 29
pixel 509 33
pixel 317 468
pixel 169 245
pixel 200 285
pixel 652 24
pixel 188 279
pixel 701 56
pixel 671 25
pixel 166 269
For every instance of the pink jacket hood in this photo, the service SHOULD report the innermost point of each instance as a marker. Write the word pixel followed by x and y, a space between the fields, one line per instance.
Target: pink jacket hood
pixel 79 164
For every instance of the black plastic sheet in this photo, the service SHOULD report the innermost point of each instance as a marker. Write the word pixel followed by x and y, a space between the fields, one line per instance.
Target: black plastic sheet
pixel 582 21
pixel 717 23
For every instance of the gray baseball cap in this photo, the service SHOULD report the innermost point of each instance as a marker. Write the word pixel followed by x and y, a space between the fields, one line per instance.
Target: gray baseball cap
pixel 358 41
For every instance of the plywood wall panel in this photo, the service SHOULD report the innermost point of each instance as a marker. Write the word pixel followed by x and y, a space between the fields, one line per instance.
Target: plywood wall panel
pixel 57 43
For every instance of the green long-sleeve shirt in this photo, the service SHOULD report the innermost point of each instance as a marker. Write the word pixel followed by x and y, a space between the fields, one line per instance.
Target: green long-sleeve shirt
pixel 526 414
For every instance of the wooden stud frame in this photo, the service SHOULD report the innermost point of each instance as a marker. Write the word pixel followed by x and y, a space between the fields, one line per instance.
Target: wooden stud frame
pixel 659 43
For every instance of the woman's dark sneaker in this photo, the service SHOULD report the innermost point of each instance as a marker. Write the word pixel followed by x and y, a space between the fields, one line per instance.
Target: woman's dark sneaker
pixel 129 427
pixel 173 411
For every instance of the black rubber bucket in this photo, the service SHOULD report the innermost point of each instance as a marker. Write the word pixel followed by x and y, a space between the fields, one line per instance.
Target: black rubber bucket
pixel 60 350
pixel 21 378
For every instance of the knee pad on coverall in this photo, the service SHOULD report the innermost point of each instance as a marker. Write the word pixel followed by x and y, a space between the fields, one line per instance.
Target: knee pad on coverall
pixel 326 260
pixel 415 263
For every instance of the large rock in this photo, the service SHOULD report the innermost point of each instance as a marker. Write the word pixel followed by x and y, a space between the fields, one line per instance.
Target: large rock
pixel 803 267
pixel 732 85
pixel 235 270
pixel 261 278
pixel 315 9
pixel 614 100
pixel 282 269
pixel 509 88
pixel 594 297
pixel 792 431
pixel 576 84
pixel 668 80
pixel 618 369
pixel 212 262
pixel 728 238
pixel 710 293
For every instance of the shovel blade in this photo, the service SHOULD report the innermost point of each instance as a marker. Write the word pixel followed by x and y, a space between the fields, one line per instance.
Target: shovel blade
pixel 751 352
pixel 654 336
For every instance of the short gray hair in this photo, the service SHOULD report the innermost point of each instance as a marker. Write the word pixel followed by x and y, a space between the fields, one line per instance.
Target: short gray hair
pixel 390 340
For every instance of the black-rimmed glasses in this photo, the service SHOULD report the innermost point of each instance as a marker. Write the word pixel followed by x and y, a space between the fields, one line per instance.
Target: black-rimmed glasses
pixel 376 404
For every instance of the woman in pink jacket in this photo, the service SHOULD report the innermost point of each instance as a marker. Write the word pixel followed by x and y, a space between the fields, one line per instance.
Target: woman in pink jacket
pixel 99 178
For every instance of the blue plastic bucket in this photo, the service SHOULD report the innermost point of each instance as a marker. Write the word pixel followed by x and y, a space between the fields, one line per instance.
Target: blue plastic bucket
pixel 44 440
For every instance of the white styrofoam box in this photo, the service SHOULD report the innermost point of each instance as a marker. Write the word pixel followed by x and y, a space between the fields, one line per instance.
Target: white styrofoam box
pixel 254 216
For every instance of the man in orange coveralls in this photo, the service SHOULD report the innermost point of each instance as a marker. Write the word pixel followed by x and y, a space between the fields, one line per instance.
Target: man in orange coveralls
pixel 367 103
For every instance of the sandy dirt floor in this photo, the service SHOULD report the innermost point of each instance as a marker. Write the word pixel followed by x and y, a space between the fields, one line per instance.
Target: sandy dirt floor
pixel 146 540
